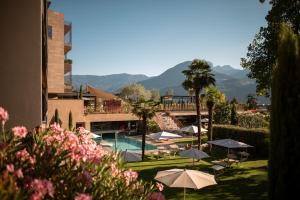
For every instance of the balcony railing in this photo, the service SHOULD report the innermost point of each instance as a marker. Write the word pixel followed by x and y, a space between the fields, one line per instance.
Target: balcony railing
pixel 68 36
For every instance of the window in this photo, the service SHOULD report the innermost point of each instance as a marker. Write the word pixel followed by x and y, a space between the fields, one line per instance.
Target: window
pixel 50 32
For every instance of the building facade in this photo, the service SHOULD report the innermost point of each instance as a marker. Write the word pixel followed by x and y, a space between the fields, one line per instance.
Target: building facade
pixel 23 66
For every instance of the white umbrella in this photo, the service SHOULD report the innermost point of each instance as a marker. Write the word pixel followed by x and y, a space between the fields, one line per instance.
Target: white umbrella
pixel 163 135
pixel 194 153
pixel 94 136
pixel 185 178
pixel 130 157
pixel 192 129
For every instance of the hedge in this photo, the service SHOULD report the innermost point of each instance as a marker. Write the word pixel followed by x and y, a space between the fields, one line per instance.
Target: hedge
pixel 257 137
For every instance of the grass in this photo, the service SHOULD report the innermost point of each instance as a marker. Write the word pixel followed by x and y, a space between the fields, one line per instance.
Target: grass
pixel 248 180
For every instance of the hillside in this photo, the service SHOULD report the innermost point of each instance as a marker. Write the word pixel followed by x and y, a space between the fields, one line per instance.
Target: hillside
pixel 109 83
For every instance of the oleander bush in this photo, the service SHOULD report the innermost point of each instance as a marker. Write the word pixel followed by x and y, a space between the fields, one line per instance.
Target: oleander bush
pixel 61 164
pixel 257 137
pixel 253 120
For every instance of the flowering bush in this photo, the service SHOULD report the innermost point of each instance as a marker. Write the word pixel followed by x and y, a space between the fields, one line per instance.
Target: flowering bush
pixel 252 120
pixel 60 164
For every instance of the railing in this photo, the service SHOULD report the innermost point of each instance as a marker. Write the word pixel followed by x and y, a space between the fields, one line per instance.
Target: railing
pixel 68 33
pixel 111 106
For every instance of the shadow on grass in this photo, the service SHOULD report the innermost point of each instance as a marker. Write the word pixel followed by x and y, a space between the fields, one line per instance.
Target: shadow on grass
pixel 240 185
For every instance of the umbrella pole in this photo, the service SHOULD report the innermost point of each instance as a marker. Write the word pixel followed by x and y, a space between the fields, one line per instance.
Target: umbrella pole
pixel 183 193
pixel 193 161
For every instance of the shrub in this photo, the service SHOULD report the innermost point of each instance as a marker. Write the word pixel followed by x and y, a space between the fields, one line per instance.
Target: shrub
pixel 222 113
pixel 153 126
pixel 252 120
pixel 61 164
pixel 259 138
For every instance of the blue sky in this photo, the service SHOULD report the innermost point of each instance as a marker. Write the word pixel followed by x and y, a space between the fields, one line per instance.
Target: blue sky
pixel 150 36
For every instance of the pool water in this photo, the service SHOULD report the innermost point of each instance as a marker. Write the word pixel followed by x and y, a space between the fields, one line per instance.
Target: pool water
pixel 124 143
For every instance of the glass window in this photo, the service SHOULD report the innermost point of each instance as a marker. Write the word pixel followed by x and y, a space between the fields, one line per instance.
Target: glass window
pixel 50 32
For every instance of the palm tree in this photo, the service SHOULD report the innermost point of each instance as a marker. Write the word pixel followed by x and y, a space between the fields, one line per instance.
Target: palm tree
pixel 212 96
pixel 145 110
pixel 198 76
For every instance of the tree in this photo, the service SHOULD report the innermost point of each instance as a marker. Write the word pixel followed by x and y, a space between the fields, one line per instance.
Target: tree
pixel 198 76
pixel 251 102
pixel 70 121
pixel 170 92
pixel 145 110
pixel 233 114
pixel 262 52
pixel 155 95
pixel 133 92
pixel 80 92
pixel 56 116
pixel 222 113
pixel 284 160
pixel 234 100
pixel 212 96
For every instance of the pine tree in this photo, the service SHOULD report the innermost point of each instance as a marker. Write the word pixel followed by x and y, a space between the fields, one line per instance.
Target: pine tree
pixel 56 116
pixel 80 92
pixel 233 115
pixel 284 161
pixel 70 121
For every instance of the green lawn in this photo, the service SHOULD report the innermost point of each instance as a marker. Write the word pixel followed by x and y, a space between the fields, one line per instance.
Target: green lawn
pixel 245 181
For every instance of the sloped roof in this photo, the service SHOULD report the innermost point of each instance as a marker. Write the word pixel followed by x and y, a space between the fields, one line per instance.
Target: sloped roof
pixel 100 93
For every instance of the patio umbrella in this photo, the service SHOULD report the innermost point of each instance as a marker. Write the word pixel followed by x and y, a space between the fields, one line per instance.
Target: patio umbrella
pixel 194 153
pixel 130 157
pixel 192 129
pixel 163 135
pixel 229 144
pixel 185 178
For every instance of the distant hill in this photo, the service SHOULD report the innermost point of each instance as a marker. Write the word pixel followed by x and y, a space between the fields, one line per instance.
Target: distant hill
pixel 110 83
pixel 233 82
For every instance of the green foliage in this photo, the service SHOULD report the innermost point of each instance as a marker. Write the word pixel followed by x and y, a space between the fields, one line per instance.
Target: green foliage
pixel 251 102
pixel 134 92
pixel 212 96
pixel 222 113
pixel 59 164
pixel 284 162
pixel 153 127
pixel 80 92
pixel 262 52
pixel 70 121
pixel 234 101
pixel 233 115
pixel 145 110
pixel 155 95
pixel 259 138
pixel 170 92
pixel 198 76
pixel 252 120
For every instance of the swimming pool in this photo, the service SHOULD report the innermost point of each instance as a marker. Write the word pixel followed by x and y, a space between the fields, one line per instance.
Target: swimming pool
pixel 124 143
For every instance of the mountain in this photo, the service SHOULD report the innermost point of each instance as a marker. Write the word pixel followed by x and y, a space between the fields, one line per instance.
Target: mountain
pixel 110 83
pixel 233 82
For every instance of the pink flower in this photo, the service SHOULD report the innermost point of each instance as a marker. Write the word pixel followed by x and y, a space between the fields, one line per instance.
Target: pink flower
pixel 19 131
pixel 19 173
pixel 130 176
pixel 3 115
pixel 159 186
pixel 41 188
pixel 156 196
pixel 82 196
pixel 10 168
pixel 56 127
